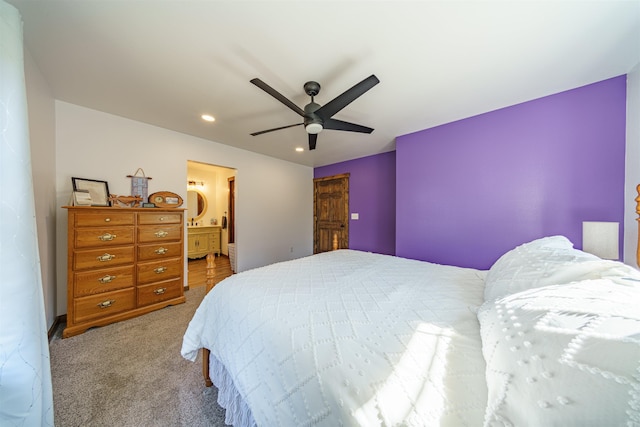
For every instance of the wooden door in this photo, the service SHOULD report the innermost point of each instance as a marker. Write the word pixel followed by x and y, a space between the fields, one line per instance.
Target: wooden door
pixel 331 212
pixel 232 209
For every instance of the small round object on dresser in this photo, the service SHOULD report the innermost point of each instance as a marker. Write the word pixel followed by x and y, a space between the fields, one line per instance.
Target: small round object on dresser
pixel 166 199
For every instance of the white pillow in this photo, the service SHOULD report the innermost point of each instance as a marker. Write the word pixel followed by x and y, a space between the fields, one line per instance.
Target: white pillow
pixel 542 262
pixel 564 355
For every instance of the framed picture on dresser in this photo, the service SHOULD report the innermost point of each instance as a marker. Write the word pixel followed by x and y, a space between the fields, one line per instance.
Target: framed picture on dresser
pixel 99 190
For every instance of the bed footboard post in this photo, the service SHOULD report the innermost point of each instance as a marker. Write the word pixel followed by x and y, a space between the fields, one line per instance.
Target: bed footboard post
pixel 205 367
pixel 211 274
pixel 211 271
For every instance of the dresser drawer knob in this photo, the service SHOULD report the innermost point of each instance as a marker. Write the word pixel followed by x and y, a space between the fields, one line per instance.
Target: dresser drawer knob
pixel 162 251
pixel 106 237
pixel 106 304
pixel 161 218
pixel 106 279
pixel 107 220
pixel 160 270
pixel 159 291
pixel 105 257
pixel 162 233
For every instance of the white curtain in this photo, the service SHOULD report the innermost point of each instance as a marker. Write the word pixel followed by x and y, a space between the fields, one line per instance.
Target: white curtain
pixel 25 372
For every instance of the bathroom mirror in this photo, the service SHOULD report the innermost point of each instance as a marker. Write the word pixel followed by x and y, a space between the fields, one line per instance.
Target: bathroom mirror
pixel 196 205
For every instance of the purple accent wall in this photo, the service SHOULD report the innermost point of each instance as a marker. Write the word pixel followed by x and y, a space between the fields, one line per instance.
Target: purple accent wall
pixel 372 194
pixel 470 190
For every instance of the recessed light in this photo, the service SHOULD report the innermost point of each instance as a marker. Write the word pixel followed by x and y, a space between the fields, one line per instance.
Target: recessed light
pixel 208 118
pixel 299 149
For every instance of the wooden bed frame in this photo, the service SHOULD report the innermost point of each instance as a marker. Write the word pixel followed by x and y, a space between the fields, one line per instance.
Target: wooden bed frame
pixel 211 269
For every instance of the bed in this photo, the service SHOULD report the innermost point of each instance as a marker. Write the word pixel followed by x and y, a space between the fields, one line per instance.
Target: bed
pixel 549 335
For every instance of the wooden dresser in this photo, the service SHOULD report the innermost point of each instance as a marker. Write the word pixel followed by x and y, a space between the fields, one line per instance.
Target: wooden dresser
pixel 121 263
pixel 203 240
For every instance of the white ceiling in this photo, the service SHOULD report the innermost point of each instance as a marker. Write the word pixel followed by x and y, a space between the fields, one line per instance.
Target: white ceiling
pixel 167 62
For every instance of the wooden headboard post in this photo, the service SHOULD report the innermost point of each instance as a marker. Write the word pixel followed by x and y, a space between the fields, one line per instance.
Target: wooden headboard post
pixel 638 219
pixel 334 245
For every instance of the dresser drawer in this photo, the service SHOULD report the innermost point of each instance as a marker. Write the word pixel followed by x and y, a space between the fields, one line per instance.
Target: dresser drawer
pixel 157 292
pixel 100 219
pixel 103 305
pixel 103 258
pixel 149 272
pixel 159 233
pixel 103 236
pixel 95 282
pixel 159 251
pixel 160 218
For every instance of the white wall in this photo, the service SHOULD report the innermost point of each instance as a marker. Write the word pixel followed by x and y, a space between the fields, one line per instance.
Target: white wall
pixel 274 198
pixel 632 167
pixel 41 107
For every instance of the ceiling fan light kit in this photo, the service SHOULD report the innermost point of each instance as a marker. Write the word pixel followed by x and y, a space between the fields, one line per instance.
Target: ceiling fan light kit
pixel 313 128
pixel 317 117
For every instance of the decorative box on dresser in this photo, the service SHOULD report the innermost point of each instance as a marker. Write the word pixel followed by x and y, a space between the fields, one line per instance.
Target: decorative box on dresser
pixel 203 240
pixel 121 263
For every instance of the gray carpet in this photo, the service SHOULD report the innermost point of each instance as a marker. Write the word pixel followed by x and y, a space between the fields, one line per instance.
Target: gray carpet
pixel 131 373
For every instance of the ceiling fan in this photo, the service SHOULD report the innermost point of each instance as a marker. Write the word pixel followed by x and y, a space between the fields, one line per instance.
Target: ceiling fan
pixel 317 117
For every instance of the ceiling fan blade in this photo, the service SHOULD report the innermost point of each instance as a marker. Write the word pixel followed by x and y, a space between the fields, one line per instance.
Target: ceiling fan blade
pixel 274 129
pixel 277 95
pixel 313 137
pixel 346 98
pixel 350 127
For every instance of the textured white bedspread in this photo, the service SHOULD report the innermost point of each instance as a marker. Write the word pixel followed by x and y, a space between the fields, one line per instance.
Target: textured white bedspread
pixel 349 338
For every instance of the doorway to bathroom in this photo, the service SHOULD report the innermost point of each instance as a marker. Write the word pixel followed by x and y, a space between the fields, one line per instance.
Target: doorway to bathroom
pixel 209 230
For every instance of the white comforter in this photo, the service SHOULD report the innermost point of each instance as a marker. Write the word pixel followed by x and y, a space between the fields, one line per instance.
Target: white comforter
pixel 349 338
